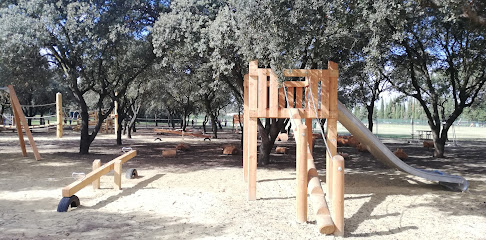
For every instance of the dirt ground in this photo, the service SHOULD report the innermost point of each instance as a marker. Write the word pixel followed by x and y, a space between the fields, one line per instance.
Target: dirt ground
pixel 201 194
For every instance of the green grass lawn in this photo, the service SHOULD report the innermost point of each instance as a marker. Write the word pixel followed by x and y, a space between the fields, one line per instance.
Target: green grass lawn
pixel 405 131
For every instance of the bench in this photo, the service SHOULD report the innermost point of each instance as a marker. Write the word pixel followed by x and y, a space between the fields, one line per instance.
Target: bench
pixel 424 134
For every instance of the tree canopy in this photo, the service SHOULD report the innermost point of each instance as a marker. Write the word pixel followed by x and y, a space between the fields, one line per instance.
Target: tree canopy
pixel 97 46
pixel 191 56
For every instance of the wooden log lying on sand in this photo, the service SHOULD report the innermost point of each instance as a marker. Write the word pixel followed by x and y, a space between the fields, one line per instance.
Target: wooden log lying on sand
pixel 428 144
pixel 183 147
pixel 158 130
pixel 230 150
pixel 169 153
pixel 401 154
pixel 283 137
pixel 361 147
pixel 281 150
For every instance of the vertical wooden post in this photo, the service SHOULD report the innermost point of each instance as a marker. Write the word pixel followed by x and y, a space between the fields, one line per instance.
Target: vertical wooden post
pixel 324 93
pixel 252 163
pixel 246 118
pixel 116 116
pixel 18 125
pixel 262 92
pixel 59 114
pixel 298 97
pixel 310 140
pixel 314 78
pixel 117 178
pixel 301 169
pixel 338 191
pixel 331 124
pixel 252 130
pixel 16 104
pixel 331 143
pixel 281 98
pixel 273 95
pixel 96 165
pixel 290 96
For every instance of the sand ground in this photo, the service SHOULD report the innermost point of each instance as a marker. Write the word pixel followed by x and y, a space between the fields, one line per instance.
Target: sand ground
pixel 201 194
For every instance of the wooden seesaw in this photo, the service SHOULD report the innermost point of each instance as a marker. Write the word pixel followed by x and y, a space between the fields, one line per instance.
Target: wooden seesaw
pixel 71 200
pixel 316 97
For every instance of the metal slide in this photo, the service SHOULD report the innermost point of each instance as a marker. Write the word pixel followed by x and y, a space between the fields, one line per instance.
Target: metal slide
pixel 384 155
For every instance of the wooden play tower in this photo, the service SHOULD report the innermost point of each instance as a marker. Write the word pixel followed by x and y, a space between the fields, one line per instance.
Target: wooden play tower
pixel 314 97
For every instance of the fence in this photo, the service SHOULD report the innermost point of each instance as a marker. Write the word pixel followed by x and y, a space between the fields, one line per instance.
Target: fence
pixel 156 122
pixel 459 122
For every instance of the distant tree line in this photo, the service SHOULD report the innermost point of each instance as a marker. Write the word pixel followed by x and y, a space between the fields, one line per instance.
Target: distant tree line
pixel 398 108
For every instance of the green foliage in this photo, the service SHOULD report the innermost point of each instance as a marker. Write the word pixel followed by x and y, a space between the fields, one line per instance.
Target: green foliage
pixel 182 40
pixel 96 46
pixel 432 51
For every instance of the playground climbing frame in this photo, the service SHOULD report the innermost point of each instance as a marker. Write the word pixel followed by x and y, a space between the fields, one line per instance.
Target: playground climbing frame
pixel 313 97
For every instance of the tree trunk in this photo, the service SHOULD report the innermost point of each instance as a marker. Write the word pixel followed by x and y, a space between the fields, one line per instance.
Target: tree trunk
pixel 440 140
pixel 370 109
pixel 268 134
pixel 119 131
pixel 219 125
pixel 184 122
pixel 130 128
pixel 42 121
pixel 439 150
pixel 85 141
pixel 204 124
pixel 131 125
pixel 172 121
pixel 125 123
pixel 29 115
pixel 213 126
pixel 439 143
pixel 207 105
pixel 265 147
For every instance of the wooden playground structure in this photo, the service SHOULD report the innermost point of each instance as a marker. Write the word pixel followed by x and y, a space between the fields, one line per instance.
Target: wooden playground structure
pixel 21 121
pixel 313 98
pixel 108 126
pixel 69 199
pixel 58 124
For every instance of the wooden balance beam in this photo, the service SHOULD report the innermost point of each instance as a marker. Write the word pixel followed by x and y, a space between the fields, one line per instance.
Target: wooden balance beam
pixel 308 182
pixel 95 175
pixel 158 130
